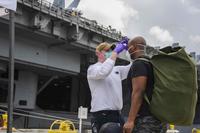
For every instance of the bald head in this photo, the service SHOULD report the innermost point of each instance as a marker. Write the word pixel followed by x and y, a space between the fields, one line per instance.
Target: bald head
pixel 137 40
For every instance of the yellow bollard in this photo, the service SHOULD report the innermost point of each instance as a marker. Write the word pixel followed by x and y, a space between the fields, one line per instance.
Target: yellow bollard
pixel 5 120
pixel 171 127
pixel 194 130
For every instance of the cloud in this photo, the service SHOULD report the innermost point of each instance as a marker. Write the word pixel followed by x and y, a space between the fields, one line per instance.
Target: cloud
pixel 183 1
pixel 160 34
pixel 195 38
pixel 113 12
pixel 193 6
pixel 194 3
pixel 194 10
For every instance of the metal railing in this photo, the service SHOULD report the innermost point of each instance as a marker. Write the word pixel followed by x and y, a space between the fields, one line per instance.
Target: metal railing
pixel 72 16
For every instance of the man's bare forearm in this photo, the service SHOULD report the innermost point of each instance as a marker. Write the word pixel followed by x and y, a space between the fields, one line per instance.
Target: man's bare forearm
pixel 136 102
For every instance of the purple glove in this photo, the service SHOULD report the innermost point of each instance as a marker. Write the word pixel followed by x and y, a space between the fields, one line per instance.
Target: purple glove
pixel 120 46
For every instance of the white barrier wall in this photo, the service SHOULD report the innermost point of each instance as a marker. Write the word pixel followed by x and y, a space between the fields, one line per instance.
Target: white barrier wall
pixel 26 90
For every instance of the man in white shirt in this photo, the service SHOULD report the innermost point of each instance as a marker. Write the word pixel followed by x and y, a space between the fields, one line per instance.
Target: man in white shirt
pixel 105 82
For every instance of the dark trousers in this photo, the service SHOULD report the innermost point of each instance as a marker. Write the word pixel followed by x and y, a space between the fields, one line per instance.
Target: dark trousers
pixel 101 117
pixel 149 124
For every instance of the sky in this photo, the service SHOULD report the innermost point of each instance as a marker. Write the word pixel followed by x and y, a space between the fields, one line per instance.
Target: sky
pixel 161 22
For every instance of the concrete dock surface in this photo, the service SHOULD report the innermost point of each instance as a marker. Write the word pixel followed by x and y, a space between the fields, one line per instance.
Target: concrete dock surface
pixel 36 131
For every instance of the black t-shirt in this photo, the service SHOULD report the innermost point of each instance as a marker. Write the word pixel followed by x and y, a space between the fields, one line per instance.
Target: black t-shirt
pixel 142 68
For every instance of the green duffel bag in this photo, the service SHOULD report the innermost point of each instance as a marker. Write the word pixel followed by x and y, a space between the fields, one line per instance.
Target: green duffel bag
pixel 174 95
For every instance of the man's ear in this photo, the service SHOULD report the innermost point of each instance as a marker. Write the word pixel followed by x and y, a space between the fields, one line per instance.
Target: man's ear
pixel 134 47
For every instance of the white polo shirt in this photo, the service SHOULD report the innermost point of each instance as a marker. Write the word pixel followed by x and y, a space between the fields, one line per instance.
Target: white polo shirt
pixel 105 82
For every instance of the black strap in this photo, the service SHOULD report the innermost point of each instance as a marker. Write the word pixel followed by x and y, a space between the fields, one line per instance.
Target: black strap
pixel 147 60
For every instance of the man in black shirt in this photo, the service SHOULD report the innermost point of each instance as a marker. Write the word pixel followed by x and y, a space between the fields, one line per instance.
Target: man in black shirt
pixel 141 81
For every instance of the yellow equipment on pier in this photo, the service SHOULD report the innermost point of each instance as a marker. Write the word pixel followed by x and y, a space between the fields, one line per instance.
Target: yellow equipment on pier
pixel 64 127
pixel 5 120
